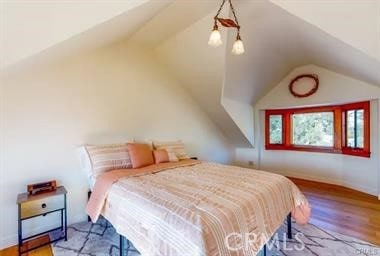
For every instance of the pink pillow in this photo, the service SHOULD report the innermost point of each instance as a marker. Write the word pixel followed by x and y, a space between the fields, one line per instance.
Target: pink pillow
pixel 161 156
pixel 140 154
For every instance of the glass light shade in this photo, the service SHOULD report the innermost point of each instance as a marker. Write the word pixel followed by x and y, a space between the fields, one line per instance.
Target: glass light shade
pixel 238 47
pixel 215 39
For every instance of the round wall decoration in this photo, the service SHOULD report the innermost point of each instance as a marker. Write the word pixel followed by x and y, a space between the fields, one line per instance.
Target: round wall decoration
pixel 310 83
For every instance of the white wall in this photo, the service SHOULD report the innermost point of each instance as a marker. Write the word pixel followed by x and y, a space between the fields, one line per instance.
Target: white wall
pixel 355 172
pixel 242 114
pixel 110 95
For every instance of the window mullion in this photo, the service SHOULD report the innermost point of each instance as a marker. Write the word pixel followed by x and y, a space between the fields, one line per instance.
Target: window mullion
pixel 338 128
pixel 355 129
pixel 288 129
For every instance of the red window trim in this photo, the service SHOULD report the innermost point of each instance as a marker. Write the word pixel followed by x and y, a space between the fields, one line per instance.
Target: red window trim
pixel 339 146
pixel 365 152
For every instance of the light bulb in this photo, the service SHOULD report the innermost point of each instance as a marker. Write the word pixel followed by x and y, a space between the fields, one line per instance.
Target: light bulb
pixel 215 39
pixel 238 47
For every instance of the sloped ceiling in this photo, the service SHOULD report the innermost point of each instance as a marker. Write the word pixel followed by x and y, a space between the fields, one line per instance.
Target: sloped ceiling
pixel 28 27
pixel 277 42
pixel 172 20
pixel 115 28
pixel 225 86
pixel 357 23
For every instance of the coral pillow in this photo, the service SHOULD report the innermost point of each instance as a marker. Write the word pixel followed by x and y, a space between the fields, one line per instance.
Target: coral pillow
pixel 141 155
pixel 161 156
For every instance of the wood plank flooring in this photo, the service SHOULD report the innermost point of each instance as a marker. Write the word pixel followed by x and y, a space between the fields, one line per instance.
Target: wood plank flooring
pixel 343 210
pixel 335 208
pixel 43 251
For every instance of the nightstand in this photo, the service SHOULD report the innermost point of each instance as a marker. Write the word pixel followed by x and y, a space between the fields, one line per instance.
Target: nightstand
pixel 32 206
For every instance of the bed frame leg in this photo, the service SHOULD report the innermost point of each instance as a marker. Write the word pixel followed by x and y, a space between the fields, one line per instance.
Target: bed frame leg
pixel 289 220
pixel 265 250
pixel 88 198
pixel 121 245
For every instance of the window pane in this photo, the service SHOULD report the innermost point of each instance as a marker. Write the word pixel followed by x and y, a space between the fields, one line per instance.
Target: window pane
pixel 360 128
pixel 355 128
pixel 313 129
pixel 351 128
pixel 275 129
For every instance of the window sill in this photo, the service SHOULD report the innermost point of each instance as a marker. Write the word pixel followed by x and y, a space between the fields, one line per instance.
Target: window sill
pixel 356 152
pixel 351 152
pixel 304 148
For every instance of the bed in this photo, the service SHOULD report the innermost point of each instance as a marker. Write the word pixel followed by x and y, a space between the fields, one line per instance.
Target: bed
pixel 196 208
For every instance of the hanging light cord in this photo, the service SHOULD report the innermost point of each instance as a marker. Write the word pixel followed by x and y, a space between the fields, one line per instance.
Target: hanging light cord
pixel 233 12
pixel 220 8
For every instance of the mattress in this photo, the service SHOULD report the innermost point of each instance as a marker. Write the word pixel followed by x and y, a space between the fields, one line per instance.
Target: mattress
pixel 200 209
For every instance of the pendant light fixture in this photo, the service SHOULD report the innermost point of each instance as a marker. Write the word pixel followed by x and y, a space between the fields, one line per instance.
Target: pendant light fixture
pixel 215 39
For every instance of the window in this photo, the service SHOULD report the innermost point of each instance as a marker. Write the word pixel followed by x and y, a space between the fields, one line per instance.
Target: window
pixel 334 129
pixel 275 136
pixel 355 136
pixel 313 129
pixel 355 128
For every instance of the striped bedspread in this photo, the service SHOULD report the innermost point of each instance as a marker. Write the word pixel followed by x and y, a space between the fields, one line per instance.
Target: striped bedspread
pixel 201 209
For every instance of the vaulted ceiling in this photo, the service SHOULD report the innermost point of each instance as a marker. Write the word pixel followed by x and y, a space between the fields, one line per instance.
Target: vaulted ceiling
pixel 226 86
pixel 276 42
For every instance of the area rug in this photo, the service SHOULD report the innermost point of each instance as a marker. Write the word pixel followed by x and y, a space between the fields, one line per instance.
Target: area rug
pixel 100 239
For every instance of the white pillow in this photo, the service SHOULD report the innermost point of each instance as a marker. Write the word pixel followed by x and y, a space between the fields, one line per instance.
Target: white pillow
pixel 173 147
pixel 85 164
pixel 98 159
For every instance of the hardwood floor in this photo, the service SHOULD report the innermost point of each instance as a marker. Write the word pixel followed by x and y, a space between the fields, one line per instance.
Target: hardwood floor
pixel 335 208
pixel 43 251
pixel 343 210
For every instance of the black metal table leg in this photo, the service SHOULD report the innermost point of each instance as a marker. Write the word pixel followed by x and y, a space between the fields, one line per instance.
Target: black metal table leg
pixel 19 230
pixel 265 250
pixel 121 245
pixel 88 198
pixel 289 220
pixel 61 221
pixel 65 218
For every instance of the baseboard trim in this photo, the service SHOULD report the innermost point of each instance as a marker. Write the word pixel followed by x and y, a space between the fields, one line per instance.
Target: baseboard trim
pixel 369 191
pixel 8 241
